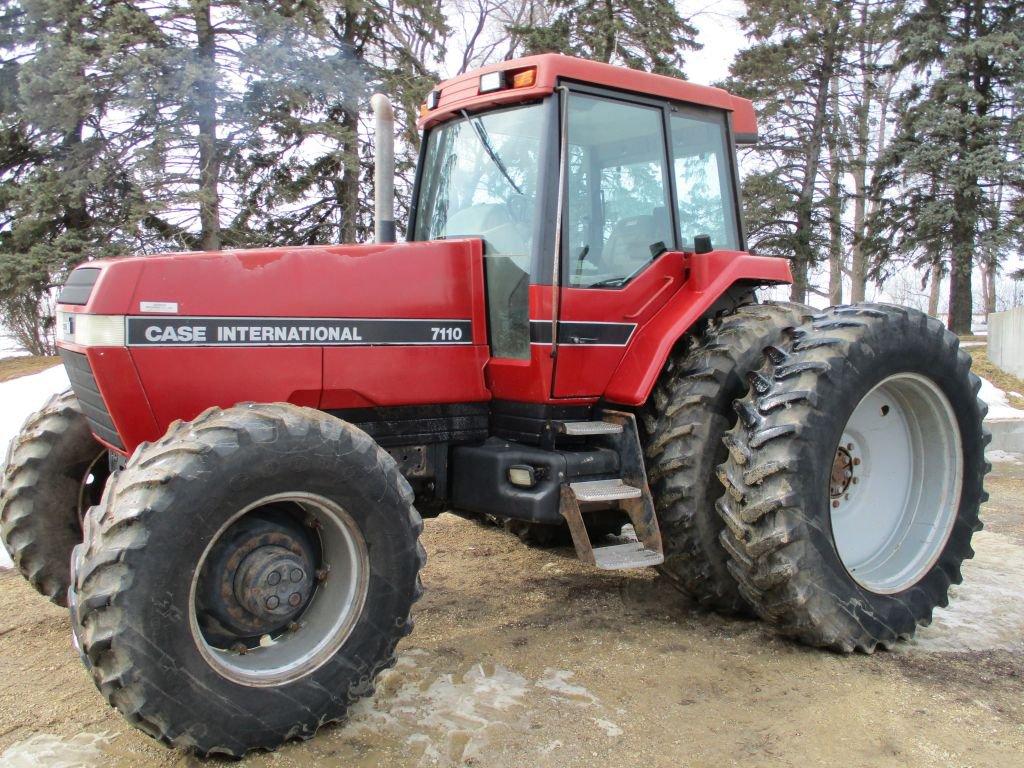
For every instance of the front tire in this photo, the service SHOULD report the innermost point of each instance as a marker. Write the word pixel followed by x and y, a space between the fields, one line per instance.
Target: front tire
pixel 247 577
pixel 55 471
pixel 854 477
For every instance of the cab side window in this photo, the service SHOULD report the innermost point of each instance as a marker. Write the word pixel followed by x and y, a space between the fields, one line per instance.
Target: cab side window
pixel 617 191
pixel 704 185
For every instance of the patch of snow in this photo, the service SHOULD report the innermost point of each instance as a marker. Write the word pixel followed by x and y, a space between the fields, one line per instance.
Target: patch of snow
pixel 999 408
pixel 986 611
pixel 446 720
pixel 21 398
pixel 610 728
pixel 1004 457
pixel 82 750
pixel 557 681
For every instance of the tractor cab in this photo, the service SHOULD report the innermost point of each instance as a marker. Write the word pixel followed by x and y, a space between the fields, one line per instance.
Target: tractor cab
pixel 591 189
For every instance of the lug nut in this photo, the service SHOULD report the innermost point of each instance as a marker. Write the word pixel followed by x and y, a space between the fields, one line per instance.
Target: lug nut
pixel 835 503
pixel 240 648
pixel 272 602
pixel 274 579
pixel 294 600
pixel 856 462
pixel 296 575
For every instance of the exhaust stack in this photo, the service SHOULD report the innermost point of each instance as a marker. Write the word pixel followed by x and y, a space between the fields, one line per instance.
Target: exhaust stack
pixel 384 169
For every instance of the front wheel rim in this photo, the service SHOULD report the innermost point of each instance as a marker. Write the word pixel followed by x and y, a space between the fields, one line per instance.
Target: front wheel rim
pixel 324 624
pixel 894 489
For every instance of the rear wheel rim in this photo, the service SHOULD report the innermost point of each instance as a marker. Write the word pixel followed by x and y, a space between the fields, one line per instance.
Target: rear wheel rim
pixel 894 489
pixel 326 621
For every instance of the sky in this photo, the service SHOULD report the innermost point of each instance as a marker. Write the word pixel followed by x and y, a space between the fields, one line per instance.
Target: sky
pixel 720 34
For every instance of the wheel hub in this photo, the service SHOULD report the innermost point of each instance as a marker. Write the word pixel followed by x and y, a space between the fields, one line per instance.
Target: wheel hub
pixel 273 583
pixel 258 579
pixel 279 588
pixel 842 473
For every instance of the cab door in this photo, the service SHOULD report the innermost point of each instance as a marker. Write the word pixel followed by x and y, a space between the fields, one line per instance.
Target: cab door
pixel 620 251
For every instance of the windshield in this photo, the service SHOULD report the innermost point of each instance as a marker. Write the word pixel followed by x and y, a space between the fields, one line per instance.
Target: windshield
pixel 480 179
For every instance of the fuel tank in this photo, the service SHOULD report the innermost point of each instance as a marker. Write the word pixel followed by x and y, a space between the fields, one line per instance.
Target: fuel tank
pixel 148 340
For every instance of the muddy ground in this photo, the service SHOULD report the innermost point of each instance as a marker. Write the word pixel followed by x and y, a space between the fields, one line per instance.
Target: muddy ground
pixel 525 658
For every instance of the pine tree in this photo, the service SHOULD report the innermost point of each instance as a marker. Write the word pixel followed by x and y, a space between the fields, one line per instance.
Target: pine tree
pixel 63 192
pixel 790 72
pixel 958 144
pixel 640 34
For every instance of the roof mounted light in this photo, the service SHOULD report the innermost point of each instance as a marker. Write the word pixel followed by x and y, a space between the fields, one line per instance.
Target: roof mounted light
pixel 433 99
pixel 527 78
pixel 492 81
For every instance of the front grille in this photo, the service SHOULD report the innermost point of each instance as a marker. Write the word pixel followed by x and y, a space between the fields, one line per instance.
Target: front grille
pixel 88 394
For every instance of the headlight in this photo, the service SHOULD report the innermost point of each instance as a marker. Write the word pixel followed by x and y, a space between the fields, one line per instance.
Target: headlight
pixel 90 330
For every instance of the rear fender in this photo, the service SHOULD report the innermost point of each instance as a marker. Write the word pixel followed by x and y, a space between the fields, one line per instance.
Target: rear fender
pixel 710 276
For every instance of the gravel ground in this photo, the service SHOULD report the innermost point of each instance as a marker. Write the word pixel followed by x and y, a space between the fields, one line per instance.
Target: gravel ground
pixel 524 657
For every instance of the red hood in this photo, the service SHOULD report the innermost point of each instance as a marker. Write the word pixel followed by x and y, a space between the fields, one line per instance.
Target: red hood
pixel 412 280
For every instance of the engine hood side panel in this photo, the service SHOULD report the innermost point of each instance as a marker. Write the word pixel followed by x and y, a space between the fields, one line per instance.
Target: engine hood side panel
pixel 325 326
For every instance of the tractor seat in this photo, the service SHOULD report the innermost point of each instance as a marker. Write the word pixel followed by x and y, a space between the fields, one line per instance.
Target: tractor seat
pixel 631 240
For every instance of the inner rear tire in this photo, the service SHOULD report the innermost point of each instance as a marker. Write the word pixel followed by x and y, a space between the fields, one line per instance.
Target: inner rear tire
pixel 55 471
pixel 214 530
pixel 689 411
pixel 854 477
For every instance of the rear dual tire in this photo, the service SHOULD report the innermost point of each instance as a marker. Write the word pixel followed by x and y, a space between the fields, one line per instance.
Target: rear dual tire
pixel 854 477
pixel 689 412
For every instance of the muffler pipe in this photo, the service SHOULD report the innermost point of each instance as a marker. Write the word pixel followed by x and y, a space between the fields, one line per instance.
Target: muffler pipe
pixel 383 169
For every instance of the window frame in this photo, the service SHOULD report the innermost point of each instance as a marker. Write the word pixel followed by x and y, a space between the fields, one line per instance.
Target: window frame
pixel 668 108
pixel 722 116
pixel 547 183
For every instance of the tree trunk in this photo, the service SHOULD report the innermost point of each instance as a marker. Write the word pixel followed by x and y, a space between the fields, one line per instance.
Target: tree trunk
pixel 835 206
pixel 990 282
pixel 803 255
pixel 206 124
pixel 934 288
pixel 859 163
pixel 347 188
pixel 962 260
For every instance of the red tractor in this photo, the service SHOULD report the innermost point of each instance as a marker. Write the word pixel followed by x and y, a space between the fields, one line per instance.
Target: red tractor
pixel 570 340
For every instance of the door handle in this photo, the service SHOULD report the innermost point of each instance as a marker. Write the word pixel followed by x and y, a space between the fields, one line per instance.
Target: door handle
pixel 667 281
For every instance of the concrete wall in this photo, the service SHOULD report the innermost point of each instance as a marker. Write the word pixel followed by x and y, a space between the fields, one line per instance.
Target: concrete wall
pixel 1006 340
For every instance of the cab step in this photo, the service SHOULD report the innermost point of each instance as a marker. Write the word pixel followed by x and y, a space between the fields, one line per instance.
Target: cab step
pixel 588 428
pixel 597 491
pixel 629 493
pixel 632 554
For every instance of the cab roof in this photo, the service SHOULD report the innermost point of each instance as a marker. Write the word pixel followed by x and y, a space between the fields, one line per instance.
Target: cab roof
pixel 463 92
